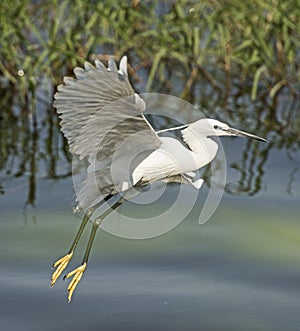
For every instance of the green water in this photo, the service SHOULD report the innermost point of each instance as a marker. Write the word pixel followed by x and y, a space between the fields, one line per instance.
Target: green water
pixel 240 271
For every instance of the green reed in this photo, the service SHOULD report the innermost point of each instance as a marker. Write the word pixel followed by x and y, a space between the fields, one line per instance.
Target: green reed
pixel 221 40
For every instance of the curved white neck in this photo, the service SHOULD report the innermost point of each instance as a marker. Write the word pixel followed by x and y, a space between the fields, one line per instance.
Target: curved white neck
pixel 201 145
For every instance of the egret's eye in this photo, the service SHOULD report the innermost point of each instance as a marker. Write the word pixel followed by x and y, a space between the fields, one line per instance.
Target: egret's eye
pixel 216 127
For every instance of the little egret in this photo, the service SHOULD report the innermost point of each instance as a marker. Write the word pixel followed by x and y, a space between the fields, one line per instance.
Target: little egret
pixel 99 111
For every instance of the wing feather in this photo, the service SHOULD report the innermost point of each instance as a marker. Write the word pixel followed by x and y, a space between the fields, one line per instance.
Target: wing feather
pixel 93 88
pixel 102 118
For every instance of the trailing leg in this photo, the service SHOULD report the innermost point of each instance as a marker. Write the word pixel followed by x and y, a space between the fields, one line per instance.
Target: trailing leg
pixel 78 272
pixel 63 262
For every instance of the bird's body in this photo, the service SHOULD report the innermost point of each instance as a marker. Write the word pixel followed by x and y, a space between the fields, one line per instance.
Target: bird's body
pixel 103 120
pixel 173 158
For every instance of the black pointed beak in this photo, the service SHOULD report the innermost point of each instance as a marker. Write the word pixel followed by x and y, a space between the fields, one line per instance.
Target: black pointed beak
pixel 239 133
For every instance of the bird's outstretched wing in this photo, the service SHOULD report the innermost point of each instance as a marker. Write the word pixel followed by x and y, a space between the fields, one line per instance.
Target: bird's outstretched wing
pixel 102 118
pixel 88 108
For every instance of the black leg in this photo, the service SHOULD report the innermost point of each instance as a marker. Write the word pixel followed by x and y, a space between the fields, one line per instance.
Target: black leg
pixel 79 232
pixel 95 228
pixel 78 272
pixel 63 262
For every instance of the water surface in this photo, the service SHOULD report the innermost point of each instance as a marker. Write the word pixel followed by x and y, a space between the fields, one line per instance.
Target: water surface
pixel 240 271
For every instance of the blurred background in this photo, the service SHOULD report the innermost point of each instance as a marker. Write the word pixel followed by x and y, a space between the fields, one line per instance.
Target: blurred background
pixel 236 61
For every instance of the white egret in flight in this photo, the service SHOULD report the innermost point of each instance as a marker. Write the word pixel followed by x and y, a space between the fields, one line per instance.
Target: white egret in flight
pixel 100 112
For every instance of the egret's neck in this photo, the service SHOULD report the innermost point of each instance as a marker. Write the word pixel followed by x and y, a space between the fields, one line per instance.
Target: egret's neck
pixel 201 145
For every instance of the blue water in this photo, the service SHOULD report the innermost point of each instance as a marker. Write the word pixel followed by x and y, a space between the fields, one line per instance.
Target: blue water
pixel 239 271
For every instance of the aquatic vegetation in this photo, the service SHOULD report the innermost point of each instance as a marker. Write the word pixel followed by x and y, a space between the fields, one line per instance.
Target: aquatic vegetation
pixel 254 41
pixel 231 58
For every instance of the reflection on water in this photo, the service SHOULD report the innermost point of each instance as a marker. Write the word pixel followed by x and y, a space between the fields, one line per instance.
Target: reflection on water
pixel 31 144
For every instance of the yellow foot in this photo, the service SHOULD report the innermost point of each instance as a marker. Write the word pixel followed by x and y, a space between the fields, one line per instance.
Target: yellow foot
pixel 61 265
pixel 77 273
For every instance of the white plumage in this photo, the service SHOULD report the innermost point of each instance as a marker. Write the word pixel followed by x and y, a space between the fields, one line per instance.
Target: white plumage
pixel 103 120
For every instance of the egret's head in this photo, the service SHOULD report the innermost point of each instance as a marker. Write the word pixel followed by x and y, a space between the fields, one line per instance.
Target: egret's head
pixel 210 127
